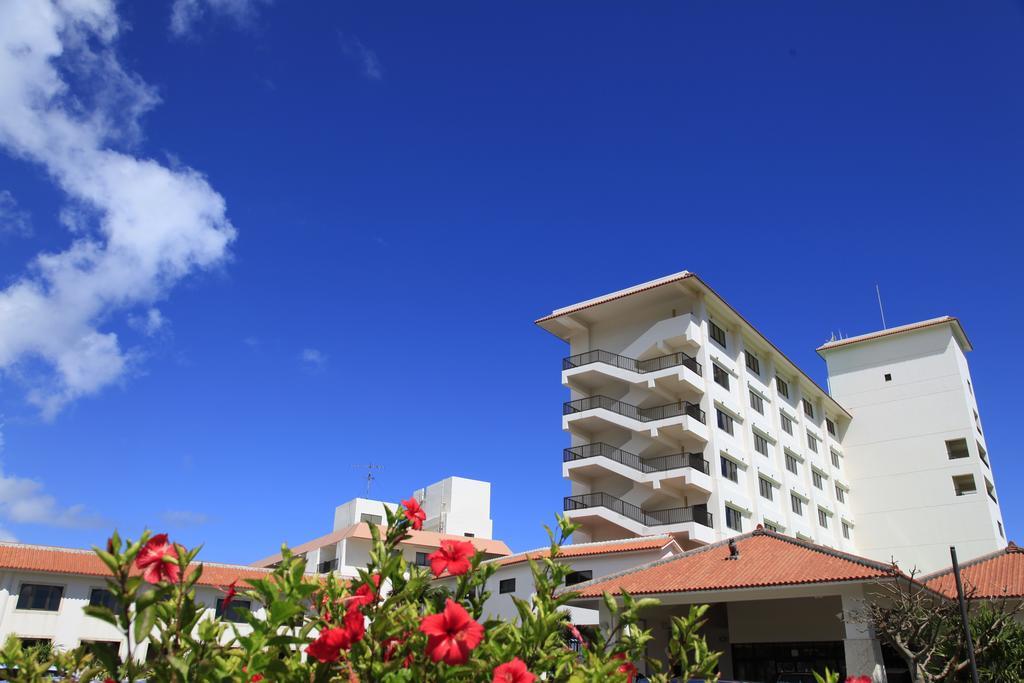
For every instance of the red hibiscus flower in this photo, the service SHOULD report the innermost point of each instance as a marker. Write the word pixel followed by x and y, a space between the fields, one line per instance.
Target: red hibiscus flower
pixel 229 595
pixel 452 634
pixel 331 641
pixel 256 678
pixel 158 561
pixel 513 672
pixel 391 646
pixel 453 556
pixel 365 594
pixel 414 513
pixel 627 668
pixel 577 636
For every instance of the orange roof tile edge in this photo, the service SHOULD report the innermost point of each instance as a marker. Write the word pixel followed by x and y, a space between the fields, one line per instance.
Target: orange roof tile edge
pixel 708 572
pixel 51 559
pixel 998 574
pixel 589 549
pixel 910 327
pixel 429 539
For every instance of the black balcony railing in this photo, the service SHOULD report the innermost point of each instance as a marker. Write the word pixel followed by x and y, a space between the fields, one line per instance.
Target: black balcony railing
pixel 327 566
pixel 660 463
pixel 632 364
pixel 642 414
pixel 695 513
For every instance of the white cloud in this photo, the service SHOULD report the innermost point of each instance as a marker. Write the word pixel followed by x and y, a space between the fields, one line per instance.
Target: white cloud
pixel 184 518
pixel 22 501
pixel 13 219
pixel 150 323
pixel 140 226
pixel 367 58
pixel 313 357
pixel 185 14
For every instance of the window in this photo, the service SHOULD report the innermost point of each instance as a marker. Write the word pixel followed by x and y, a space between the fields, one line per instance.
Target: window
pixel 999 524
pixel 812 443
pixel 822 518
pixel 782 387
pixel 846 530
pixel 766 488
pixel 888 377
pixel 507 586
pixel 957 448
pixel 101 597
pixel 721 376
pixel 796 503
pixel 717 333
pixel 771 527
pixel 840 494
pixel 969 387
pixel 371 519
pixel 756 402
pixel 787 424
pixel 422 559
pixel 791 464
pixel 40 597
pixel 235 609
pixel 42 643
pixel 963 484
pixel 808 408
pixel 835 460
pixel 733 519
pixel 572 578
pixel 724 421
pixel 753 364
pixel 760 444
pixel 816 478
pixel 983 454
pixel 990 490
pixel 977 422
pixel 94 646
pixel 729 469
pixel 830 426
pixel 469 535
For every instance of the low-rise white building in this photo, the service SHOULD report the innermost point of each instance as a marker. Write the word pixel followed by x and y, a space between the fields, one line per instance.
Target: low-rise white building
pixel 43 590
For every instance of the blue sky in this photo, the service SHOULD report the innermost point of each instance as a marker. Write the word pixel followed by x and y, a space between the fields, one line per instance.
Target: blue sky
pixel 407 186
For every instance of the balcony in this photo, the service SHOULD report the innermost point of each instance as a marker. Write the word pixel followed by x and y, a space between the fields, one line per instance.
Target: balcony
pixel 682 416
pixel 694 522
pixel 674 372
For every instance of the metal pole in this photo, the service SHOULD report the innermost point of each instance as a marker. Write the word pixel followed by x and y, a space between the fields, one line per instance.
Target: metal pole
pixel 963 614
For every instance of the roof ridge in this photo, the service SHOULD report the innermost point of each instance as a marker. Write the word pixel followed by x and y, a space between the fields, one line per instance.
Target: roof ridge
pixel 54 548
pixel 589 544
pixel 1010 548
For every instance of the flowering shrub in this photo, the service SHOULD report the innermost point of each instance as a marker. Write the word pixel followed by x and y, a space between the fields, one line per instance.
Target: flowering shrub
pixel 393 623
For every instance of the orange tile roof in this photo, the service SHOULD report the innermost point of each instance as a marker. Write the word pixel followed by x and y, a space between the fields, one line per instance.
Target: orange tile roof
pixel 995 575
pixel 587 549
pixel 828 346
pixel 49 559
pixel 427 539
pixel 766 559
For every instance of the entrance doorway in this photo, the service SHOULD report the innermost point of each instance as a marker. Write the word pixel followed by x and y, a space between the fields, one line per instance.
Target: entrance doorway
pixel 763 662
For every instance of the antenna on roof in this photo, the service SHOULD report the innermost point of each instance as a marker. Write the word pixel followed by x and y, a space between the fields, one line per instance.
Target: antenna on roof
pixel 880 309
pixel 369 467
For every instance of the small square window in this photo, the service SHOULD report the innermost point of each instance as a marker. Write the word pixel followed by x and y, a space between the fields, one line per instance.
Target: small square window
pixel 835 460
pixel 40 597
pixel 573 578
pixel 840 494
pixel 822 518
pixel 830 426
pixel 957 448
pixel 963 484
pixel 765 487
pixel 888 377
pixel 999 524
pixel 236 608
pixel 982 454
pixel 729 469
pixel 371 519
pixel 760 444
pixel 717 333
pixel 816 479
pixel 720 375
pixel 796 503
pixel 733 519
pixel 808 409
pixel 791 463
pixel 756 402
pixel 422 559
pixel 753 364
pixel 771 527
pixel 507 586
pixel 787 424
pixel 846 531
pixel 101 597
pixel 812 443
pixel 782 387
pixel 725 421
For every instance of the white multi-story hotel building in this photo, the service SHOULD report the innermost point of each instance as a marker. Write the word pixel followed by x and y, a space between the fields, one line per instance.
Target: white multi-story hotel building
pixel 685 420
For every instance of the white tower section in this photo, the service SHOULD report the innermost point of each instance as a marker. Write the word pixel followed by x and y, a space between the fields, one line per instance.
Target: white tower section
pixel 916 457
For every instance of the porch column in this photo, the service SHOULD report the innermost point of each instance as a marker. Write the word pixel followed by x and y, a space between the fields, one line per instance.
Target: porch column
pixel 863 651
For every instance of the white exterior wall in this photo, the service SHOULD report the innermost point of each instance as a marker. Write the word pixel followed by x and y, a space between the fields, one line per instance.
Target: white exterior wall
pixel 903 495
pixel 347 514
pixel 69 626
pixel 458 506
pixel 679 322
